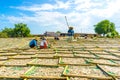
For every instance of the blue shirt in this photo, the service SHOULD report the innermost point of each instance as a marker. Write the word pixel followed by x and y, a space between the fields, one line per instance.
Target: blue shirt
pixel 33 42
pixel 70 32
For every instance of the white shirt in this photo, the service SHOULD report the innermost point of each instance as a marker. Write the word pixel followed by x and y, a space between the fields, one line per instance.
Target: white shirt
pixel 42 42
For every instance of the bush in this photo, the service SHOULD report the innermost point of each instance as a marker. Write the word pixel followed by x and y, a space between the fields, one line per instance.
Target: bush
pixel 3 35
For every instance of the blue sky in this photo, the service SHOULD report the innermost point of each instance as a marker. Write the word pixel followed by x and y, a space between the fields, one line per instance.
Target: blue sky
pixel 49 15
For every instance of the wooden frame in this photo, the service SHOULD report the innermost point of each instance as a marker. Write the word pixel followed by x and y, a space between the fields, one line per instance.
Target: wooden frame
pixel 85 76
pixel 27 76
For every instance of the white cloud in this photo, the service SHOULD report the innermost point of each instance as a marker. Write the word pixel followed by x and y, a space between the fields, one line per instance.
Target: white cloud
pixel 106 8
pixel 110 10
pixel 80 13
pixel 62 5
pixel 41 18
pixel 38 7
pixel 82 4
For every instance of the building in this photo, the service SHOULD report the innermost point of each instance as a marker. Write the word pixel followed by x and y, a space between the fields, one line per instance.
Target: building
pixel 50 34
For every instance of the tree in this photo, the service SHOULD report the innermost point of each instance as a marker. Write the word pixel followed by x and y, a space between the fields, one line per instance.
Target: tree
pixel 105 27
pixel 8 31
pixel 58 33
pixel 21 30
pixel 3 35
pixel 113 34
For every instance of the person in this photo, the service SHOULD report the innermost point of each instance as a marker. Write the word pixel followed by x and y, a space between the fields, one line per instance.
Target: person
pixel 70 33
pixel 43 43
pixel 86 36
pixel 56 38
pixel 33 43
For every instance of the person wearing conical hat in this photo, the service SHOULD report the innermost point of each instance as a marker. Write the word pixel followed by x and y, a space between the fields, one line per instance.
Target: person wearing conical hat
pixel 70 33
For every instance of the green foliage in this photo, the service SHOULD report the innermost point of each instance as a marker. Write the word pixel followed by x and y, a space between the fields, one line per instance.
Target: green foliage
pixel 58 32
pixel 8 31
pixel 3 35
pixel 113 34
pixel 20 30
pixel 107 28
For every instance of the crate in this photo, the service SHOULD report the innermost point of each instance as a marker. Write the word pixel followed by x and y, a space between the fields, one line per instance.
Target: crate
pixel 91 71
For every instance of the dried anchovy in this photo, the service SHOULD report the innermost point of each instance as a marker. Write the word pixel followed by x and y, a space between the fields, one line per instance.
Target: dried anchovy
pixel 46 61
pixel 18 62
pixel 45 55
pixel 99 52
pixel 85 55
pixel 48 71
pixel 66 55
pixel 108 56
pixel 78 78
pixel 13 71
pixel 3 57
pixel 85 70
pixel 73 60
pixel 102 61
pixel 115 70
pixel 23 56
